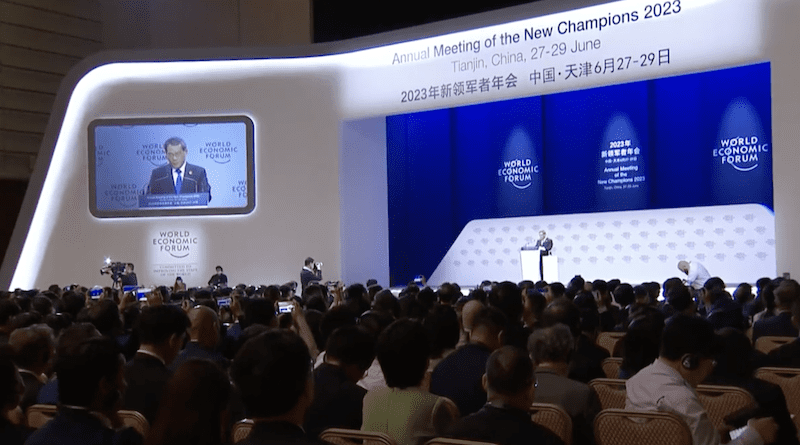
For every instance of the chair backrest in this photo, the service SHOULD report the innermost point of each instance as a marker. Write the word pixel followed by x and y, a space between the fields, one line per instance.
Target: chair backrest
pixel 719 401
pixel 607 340
pixel 789 381
pixel 768 343
pixel 37 415
pixel 622 427
pixel 446 441
pixel 611 392
pixel 241 430
pixel 341 436
pixel 554 418
pixel 135 420
pixel 611 367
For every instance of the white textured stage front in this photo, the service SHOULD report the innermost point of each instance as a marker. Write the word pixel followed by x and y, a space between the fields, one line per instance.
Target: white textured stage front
pixel 734 242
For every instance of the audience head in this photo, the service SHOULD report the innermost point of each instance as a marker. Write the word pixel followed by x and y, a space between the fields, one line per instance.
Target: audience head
pixel 193 407
pixel 351 348
pixel 34 348
pixel 104 315
pixel 403 352
pixel 448 293
pixel 11 385
pixel 735 357
pixel 554 291
pixel 743 293
pixel 509 378
pixel 786 294
pixel 551 345
pixel 564 312
pixel 8 310
pixel 681 300
pixel 714 284
pixel 689 344
pixel 258 311
pixel 333 319
pixel 384 301
pixel 443 330
pixel 273 374
pixel 488 327
pixel 507 297
pixel 163 328
pixel 204 327
pixel 624 294
pixel 642 341
pixel 533 304
pixel 91 375
pixel 468 312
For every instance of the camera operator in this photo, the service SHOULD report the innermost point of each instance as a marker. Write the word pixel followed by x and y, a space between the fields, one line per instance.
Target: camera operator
pixel 129 277
pixel 311 272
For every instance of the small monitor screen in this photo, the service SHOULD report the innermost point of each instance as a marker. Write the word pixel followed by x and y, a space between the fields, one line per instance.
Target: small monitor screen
pixel 171 166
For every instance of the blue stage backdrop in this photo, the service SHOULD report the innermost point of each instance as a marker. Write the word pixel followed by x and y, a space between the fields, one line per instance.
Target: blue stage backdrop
pixel 687 141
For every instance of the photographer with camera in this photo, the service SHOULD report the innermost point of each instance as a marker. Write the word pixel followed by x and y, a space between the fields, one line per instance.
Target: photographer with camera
pixel 121 273
pixel 311 272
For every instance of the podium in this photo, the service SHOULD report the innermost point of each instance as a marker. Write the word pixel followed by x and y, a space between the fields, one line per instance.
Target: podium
pixel 529 260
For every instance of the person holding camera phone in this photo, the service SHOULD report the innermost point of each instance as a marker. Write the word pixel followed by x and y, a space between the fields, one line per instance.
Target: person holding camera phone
pixel 311 272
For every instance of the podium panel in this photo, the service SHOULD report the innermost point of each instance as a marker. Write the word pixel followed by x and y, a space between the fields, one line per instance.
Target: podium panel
pixel 550 268
pixel 529 260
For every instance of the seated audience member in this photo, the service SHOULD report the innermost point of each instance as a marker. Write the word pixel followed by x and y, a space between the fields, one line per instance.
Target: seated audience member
pixel 8 310
pixel 34 349
pixel 781 324
pixel 458 376
pixel 679 298
pixel 735 368
pixel 443 331
pixel 788 355
pixel 744 296
pixel 504 420
pixel 194 407
pixel 104 315
pixel 466 318
pixel 90 385
pixel 448 294
pixel 688 345
pixel 204 336
pixel 641 343
pixel 533 303
pixel 766 299
pixel 587 358
pixel 68 342
pixel 273 373
pixel 404 411
pixel 11 390
pixel 550 348
pixel 507 297
pixel 608 309
pixel 338 400
pixel 162 331
pixel 721 310
pixel 554 291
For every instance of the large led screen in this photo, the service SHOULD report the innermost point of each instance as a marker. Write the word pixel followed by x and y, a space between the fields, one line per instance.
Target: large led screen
pixel 175 166
pixel 688 141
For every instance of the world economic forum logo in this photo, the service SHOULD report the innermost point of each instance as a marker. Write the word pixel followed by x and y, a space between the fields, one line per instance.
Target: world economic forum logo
pixel 518 172
pixel 741 153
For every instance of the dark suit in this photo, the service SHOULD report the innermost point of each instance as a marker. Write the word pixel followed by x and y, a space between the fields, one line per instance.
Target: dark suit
pixel 458 377
pixel 785 356
pixel 544 246
pixel 779 326
pixel 307 276
pixel 193 350
pixel 504 426
pixel 193 177
pixel 338 402
pixel 32 387
pixel 147 378
pixel 79 427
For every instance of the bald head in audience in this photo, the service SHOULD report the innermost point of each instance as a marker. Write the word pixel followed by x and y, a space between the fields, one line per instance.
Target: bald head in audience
pixel 509 378
pixel 205 326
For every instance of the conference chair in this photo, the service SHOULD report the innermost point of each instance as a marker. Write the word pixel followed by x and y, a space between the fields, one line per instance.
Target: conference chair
pixel 554 418
pixel 341 436
pixel 241 430
pixel 768 343
pixel 611 367
pixel 446 441
pixel 611 392
pixel 623 427
pixel 789 381
pixel 135 420
pixel 719 401
pixel 607 340
pixel 37 415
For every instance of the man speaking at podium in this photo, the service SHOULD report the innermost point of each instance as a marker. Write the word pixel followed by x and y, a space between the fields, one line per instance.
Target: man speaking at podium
pixel 544 245
pixel 178 176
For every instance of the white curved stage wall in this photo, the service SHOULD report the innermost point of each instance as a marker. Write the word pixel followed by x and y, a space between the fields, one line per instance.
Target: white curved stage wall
pixel 319 132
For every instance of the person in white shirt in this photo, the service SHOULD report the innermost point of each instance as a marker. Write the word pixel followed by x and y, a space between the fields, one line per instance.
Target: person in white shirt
pixel 696 274
pixel 685 360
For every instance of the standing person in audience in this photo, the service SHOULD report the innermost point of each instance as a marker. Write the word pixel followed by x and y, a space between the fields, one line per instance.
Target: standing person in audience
pixel 550 348
pixel 404 411
pixel 194 411
pixel 458 376
pixel 273 373
pixel 91 384
pixel 504 419
pixel 162 331
pixel 311 272
pixel 688 346
pixel 338 400
pixel 34 349
pixel 204 336
pixel 696 275
pixel 781 324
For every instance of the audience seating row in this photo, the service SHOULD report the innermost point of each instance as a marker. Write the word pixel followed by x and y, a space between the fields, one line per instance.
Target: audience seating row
pixel 37 415
pixel 789 381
